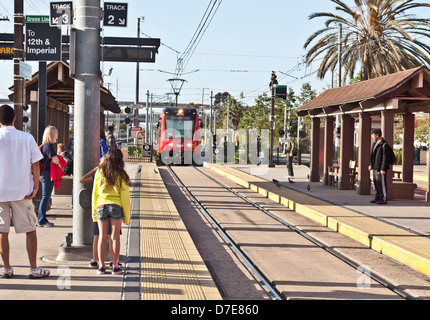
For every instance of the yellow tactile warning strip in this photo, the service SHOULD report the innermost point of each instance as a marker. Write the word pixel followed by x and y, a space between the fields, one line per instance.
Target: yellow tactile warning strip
pixel 172 268
pixel 408 248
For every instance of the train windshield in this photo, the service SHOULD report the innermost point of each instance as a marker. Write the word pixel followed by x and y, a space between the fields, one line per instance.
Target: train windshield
pixel 179 127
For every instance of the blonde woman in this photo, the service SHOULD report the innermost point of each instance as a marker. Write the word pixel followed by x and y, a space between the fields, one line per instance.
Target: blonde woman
pixel 50 136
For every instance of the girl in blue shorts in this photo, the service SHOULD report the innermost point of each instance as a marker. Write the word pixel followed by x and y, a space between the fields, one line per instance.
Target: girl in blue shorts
pixel 110 205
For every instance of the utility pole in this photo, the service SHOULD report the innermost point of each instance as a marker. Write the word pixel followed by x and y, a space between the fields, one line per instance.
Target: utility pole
pixel 340 55
pixel 340 81
pixel 18 56
pixel 147 118
pixel 136 98
pixel 87 116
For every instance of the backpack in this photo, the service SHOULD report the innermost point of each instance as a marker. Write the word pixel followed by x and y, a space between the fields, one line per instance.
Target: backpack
pixel 391 157
pixel 43 161
pixel 68 169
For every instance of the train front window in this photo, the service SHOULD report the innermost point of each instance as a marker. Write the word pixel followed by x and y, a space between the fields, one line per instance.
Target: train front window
pixel 178 127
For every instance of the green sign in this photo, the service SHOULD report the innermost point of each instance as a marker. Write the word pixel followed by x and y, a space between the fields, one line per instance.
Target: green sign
pixel 281 93
pixel 37 19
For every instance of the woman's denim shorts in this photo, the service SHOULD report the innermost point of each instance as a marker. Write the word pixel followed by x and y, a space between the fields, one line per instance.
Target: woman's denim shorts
pixel 109 211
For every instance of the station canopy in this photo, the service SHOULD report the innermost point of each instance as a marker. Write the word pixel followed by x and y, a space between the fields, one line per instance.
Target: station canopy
pixel 60 87
pixel 402 92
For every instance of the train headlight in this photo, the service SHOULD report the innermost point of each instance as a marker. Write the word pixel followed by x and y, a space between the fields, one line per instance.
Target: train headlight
pixel 180 111
pixel 189 145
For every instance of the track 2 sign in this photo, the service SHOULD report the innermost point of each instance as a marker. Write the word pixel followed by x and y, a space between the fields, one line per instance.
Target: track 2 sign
pixel 115 14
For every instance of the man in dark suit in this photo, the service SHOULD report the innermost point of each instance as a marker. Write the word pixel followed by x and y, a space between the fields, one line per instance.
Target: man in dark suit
pixel 380 164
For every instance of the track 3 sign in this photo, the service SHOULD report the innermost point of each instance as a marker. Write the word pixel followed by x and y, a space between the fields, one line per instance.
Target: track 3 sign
pixel 42 42
pixel 115 14
pixel 61 13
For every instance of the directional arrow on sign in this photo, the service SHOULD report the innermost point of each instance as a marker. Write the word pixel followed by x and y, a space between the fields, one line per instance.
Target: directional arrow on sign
pixel 115 14
pixel 61 13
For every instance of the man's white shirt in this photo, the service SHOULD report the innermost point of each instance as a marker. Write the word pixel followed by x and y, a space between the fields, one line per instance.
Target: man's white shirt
pixel 18 151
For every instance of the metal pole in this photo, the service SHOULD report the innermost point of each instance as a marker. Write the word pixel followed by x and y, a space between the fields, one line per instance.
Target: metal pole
pixel 211 117
pixel 272 121
pixel 340 82
pixel 136 99
pixel 87 115
pixel 41 101
pixel 147 117
pixel 340 55
pixel 228 117
pixel 18 55
pixel 151 122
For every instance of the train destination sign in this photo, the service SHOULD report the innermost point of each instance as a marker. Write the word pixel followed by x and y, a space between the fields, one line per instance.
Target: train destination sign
pixel 115 14
pixel 6 51
pixel 42 42
pixel 61 13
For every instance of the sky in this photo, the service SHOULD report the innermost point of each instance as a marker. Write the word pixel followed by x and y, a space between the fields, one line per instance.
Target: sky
pixel 243 44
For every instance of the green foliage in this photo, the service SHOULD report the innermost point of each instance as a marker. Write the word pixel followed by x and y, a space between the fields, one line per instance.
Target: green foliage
pixel 257 115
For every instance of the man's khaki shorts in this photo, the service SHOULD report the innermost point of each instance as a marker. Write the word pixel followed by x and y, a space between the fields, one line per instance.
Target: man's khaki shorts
pixel 22 215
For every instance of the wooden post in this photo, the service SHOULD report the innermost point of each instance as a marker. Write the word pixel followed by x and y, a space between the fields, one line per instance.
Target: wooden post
pixel 328 146
pixel 387 134
pixel 315 141
pixel 363 184
pixel 408 147
pixel 346 150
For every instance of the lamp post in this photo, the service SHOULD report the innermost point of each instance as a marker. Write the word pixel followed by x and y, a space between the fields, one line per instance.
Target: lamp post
pixel 273 85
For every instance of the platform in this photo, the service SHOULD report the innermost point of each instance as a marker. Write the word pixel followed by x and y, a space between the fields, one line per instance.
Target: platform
pixel 172 268
pixel 160 259
pixel 398 230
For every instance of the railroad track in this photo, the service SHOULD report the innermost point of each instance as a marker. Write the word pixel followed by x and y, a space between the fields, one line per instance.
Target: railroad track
pixel 260 275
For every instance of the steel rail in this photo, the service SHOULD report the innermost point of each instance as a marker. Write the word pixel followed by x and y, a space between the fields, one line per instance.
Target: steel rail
pixel 265 283
pixel 355 265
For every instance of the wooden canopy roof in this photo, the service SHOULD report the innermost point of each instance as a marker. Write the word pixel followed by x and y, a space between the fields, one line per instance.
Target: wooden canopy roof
pixel 60 87
pixel 403 92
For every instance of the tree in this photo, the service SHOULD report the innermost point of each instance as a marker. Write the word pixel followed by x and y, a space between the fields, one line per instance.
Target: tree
pixel 380 37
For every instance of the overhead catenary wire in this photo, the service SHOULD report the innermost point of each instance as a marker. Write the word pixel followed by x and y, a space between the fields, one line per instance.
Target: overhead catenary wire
pixel 206 20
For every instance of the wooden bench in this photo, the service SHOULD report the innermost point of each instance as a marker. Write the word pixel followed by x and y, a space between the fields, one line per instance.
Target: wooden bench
pixel 404 190
pixel 397 175
pixel 66 186
pixel 333 174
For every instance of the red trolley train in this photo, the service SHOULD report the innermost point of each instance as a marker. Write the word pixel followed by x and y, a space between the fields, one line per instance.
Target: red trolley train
pixel 178 135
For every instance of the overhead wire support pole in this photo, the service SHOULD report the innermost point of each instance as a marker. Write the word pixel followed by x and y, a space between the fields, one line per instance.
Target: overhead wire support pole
pixel 18 56
pixel 87 115
pixel 136 99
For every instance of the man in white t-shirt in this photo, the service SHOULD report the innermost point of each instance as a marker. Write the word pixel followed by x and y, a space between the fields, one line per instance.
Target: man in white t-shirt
pixel 19 183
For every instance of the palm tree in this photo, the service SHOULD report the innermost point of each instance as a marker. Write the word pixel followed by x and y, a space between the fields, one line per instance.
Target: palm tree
pixel 381 37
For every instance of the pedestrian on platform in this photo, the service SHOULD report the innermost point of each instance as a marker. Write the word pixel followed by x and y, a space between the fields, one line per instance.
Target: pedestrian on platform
pixel 61 149
pixel 103 143
pixel 50 136
pixel 110 205
pixel 111 138
pixel 380 160
pixel 89 178
pixel 290 150
pixel 19 183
